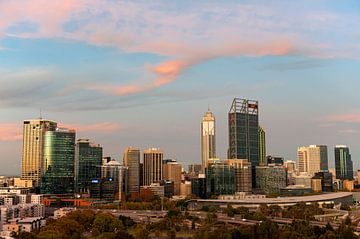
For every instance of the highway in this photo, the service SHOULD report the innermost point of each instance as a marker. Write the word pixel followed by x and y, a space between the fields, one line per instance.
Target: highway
pixel 148 216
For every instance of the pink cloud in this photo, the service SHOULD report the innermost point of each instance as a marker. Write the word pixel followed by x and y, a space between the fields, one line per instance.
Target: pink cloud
pixel 10 132
pixel 186 38
pixel 102 127
pixel 344 118
pixel 169 71
pixel 348 131
pixel 13 132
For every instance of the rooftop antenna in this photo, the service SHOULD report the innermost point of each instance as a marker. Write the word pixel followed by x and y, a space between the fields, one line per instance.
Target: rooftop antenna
pixel 208 107
pixel 40 114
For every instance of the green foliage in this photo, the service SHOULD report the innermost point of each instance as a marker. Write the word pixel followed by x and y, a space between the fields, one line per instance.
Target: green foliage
pixel 127 221
pixel 105 222
pixel 25 235
pixel 303 211
pixel 140 232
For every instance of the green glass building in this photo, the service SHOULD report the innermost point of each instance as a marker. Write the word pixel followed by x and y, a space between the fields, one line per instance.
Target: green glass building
pixel 220 179
pixel 271 179
pixel 262 146
pixel 244 140
pixel 58 162
pixel 343 163
pixel 88 162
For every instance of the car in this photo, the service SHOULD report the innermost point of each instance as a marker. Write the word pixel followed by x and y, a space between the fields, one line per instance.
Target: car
pixel 233 218
pixel 244 220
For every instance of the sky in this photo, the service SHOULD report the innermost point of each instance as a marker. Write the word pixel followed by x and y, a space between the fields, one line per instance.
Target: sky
pixel 143 73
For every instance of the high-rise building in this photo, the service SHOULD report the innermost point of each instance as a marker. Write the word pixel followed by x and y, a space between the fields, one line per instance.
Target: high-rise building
pixel 262 146
pixel 290 165
pixel 172 172
pixel 58 162
pixel 220 179
pixel 244 140
pixel 271 179
pixel 88 161
pixel 326 181
pixel 243 174
pixel 113 171
pixel 194 168
pixel 132 162
pixel 152 166
pixel 343 163
pixel 198 186
pixel 275 160
pixel 313 159
pixel 33 145
pixel 208 147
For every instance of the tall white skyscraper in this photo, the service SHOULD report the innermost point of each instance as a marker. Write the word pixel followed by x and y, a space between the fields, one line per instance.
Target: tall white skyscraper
pixel 312 159
pixel 208 148
pixel 33 146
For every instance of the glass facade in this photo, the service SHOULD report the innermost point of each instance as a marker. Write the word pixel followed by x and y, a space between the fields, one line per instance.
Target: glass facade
pixel 87 164
pixel 220 180
pixel 262 146
pixel 244 140
pixel 270 179
pixel 343 163
pixel 58 162
pixel 132 162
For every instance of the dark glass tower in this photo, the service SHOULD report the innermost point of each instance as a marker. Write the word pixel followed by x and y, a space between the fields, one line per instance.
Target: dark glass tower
pixel 58 162
pixel 244 139
pixel 343 163
pixel 88 161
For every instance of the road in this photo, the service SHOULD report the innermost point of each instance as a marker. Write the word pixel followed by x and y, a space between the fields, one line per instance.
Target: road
pixel 147 216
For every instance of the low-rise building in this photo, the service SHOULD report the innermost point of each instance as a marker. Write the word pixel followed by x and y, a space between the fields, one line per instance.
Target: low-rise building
pixel 62 212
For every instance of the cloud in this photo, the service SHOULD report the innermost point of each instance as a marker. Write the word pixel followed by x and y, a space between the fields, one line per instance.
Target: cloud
pixel 294 65
pixel 348 131
pixel 101 127
pixel 187 35
pixel 168 71
pixel 344 118
pixel 13 131
pixel 10 132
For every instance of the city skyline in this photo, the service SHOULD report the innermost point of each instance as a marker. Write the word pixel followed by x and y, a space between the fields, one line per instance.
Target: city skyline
pixel 146 81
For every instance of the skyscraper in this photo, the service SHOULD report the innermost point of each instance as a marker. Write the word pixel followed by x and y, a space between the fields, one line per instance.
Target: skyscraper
pixel 244 140
pixel 33 145
pixel 113 171
pixel 243 174
pixel 244 130
pixel 172 172
pixel 58 162
pixel 220 179
pixel 132 162
pixel 343 163
pixel 152 166
pixel 88 161
pixel 262 146
pixel 208 147
pixel 313 159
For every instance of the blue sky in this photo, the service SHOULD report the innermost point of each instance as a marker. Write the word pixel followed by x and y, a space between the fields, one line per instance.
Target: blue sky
pixel 140 73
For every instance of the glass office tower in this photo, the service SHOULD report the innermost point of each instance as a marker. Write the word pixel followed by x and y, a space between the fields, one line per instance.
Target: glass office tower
pixel 343 163
pixel 33 145
pixel 220 179
pixel 88 162
pixel 244 142
pixel 58 162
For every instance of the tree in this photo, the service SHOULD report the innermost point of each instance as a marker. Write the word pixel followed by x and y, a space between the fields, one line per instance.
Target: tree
pixel 105 222
pixel 140 232
pixel 83 217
